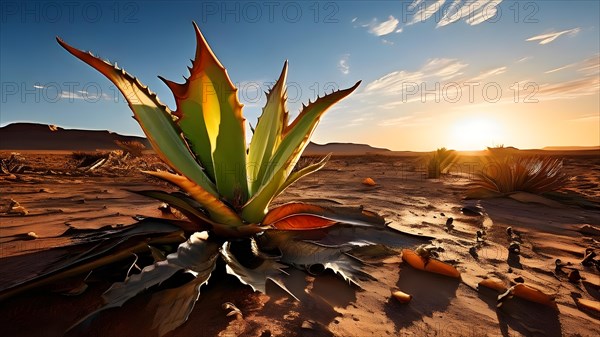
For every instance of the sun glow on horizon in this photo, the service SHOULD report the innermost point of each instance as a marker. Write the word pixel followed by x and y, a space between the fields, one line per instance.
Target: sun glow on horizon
pixel 470 134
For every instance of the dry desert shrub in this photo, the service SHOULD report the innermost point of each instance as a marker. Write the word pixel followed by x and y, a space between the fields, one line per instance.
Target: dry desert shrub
pixel 440 162
pixel 133 147
pixel 505 172
pixel 13 164
pixel 88 158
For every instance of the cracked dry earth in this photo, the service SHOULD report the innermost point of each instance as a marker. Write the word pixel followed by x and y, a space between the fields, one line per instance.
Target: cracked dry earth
pixel 328 306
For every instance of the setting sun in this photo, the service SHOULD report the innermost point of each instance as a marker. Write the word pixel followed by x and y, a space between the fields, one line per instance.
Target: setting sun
pixel 475 134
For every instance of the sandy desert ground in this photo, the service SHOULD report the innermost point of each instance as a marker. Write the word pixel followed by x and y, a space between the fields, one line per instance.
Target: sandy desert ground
pixel 57 195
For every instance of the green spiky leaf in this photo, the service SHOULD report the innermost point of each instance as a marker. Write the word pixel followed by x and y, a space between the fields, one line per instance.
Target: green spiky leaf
pixel 268 132
pixel 297 175
pixel 154 118
pixel 211 119
pixel 295 139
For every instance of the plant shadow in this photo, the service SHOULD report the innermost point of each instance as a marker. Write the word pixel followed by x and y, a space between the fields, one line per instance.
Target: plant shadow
pixel 525 317
pixel 430 293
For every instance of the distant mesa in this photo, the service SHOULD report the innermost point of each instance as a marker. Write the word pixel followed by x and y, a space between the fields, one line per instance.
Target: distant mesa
pixel 32 136
pixel 343 149
pixel 570 148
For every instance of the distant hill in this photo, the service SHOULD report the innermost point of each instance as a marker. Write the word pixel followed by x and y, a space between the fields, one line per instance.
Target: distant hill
pixel 344 149
pixel 32 136
pixel 570 148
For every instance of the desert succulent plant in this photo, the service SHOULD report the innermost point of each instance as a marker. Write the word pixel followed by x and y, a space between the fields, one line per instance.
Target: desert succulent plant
pixel 227 186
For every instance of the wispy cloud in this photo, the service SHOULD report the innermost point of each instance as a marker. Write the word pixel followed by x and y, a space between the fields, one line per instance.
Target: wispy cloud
pixel 344 64
pixel 559 68
pixel 590 66
pixel 549 37
pixel 73 95
pixel 425 9
pixel 384 28
pixel 436 69
pixel 447 12
pixel 489 73
pixel 524 59
pixel 570 89
pixel 482 13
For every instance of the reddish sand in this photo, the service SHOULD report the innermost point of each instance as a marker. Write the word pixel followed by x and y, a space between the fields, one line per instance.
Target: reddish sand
pixel 55 193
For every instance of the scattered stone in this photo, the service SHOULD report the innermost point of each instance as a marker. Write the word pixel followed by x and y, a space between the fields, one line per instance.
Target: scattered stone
pixel 480 236
pixel 473 252
pixel 589 256
pixel 15 208
pixel 472 210
pixel 449 224
pixel 369 182
pixel 401 296
pixel 32 236
pixel 574 276
pixel 514 248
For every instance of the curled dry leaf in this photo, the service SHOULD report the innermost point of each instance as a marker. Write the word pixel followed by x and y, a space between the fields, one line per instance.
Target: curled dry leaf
pixel 528 293
pixel 431 265
pixel 493 284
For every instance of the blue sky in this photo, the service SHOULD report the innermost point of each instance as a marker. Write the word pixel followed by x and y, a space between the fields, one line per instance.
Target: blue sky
pixel 461 74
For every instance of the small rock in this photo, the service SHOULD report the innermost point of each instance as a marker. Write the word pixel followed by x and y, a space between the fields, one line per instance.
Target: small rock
pixel 369 182
pixel 473 252
pixel 588 259
pixel 514 248
pixel 472 210
pixel 442 214
pixel 309 324
pixel 15 208
pixel 574 276
pixel 519 279
pixel 32 236
pixel 449 224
